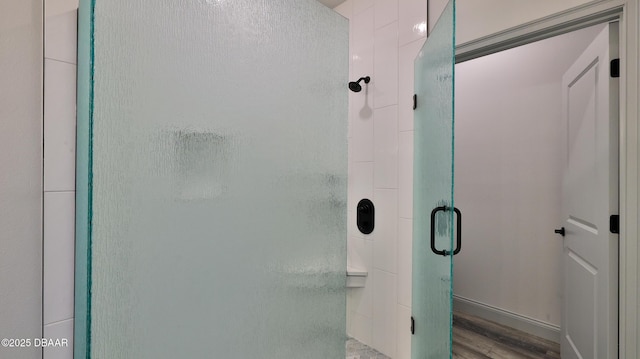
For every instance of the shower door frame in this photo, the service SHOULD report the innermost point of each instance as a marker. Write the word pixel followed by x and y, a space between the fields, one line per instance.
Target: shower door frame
pixel 597 12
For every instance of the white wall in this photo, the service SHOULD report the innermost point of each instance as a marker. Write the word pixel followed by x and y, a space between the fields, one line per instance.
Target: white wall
pixel 20 174
pixel 508 172
pixel 59 174
pixel 386 36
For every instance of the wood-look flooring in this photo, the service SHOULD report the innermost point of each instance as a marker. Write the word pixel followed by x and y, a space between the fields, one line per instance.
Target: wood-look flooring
pixel 477 338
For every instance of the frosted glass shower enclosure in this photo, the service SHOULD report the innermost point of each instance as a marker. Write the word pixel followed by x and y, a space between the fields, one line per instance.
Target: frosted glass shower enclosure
pixel 436 222
pixel 211 182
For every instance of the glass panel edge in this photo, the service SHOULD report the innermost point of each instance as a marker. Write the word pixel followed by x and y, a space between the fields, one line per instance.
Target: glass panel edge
pixel 82 290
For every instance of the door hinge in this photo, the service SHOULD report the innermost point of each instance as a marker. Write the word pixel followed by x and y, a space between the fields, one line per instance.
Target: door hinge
pixel 413 326
pixel 614 223
pixel 615 68
pixel 415 101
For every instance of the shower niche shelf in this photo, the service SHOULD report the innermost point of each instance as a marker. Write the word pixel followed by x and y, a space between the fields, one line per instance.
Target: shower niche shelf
pixel 356 278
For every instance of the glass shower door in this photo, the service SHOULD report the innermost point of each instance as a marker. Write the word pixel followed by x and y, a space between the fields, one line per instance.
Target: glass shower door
pixel 211 205
pixel 433 210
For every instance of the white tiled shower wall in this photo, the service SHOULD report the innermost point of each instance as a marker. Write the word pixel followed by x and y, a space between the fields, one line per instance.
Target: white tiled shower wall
pixel 385 38
pixel 59 173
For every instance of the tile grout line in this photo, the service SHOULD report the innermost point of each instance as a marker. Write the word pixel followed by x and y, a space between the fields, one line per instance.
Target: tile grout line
pixel 59 321
pixel 62 61
pixel 385 271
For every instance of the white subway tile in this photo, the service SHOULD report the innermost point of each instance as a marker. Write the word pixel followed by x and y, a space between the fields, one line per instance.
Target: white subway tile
pixel 361 5
pixel 385 78
pixel 55 7
pixel 361 126
pixel 352 226
pixel 360 254
pixel 435 10
pixel 385 134
pixel 362 44
pixel 386 12
pixel 349 318
pixel 360 300
pixel 360 183
pixel 351 51
pixel 351 17
pixel 404 332
pixel 61 37
pixel 349 156
pixel 361 103
pixel 361 328
pixel 59 226
pixel 385 313
pixel 405 260
pixel 412 17
pixel 405 174
pixel 345 9
pixel 59 126
pixel 59 331
pixel 385 242
pixel 408 54
pixel 350 165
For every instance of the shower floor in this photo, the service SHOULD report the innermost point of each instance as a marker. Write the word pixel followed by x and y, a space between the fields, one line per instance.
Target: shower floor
pixel 357 350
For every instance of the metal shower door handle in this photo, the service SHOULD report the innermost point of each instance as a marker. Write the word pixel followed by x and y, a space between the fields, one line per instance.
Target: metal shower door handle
pixel 458 230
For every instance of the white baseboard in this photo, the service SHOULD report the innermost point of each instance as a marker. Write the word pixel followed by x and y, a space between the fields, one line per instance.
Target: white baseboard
pixel 529 325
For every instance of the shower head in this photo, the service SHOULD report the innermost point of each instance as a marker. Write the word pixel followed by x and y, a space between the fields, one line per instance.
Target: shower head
pixel 355 86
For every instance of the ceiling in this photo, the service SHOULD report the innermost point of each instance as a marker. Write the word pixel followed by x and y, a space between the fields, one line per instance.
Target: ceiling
pixel 331 3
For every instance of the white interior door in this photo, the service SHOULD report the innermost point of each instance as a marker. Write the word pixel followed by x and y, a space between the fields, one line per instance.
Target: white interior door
pixel 590 253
